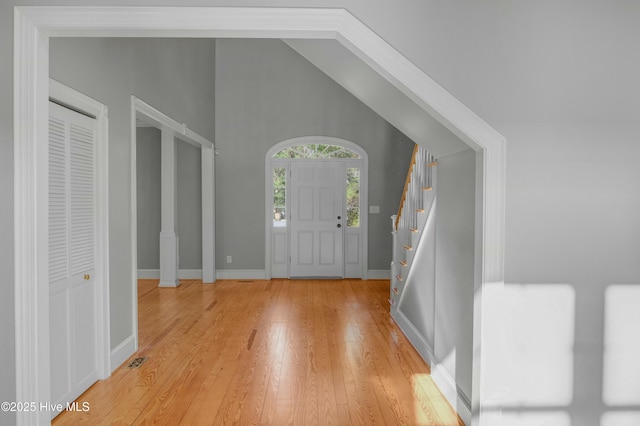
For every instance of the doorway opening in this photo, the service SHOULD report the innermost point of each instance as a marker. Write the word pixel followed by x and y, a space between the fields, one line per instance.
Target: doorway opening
pixel 33 26
pixel 315 200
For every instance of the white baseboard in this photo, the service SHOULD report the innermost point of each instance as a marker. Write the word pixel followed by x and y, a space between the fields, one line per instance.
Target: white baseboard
pixel 190 274
pixel 378 274
pixel 185 274
pixel 440 375
pixel 417 340
pixel 122 352
pixel 241 274
pixel 148 274
pixel 447 385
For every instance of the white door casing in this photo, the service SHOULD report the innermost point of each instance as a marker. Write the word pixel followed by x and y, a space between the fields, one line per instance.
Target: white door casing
pixel 317 218
pixel 72 254
pixel 277 235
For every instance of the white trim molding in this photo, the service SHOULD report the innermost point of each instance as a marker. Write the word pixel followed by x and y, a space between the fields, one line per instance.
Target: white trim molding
pixel 153 117
pixel 451 391
pixel 143 113
pixel 123 351
pixel 34 25
pixel 241 274
pixel 148 274
pixel 378 274
pixel 360 271
pixel 184 274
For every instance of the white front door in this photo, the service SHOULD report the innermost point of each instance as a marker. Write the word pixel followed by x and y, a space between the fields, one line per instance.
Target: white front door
pixel 72 254
pixel 317 218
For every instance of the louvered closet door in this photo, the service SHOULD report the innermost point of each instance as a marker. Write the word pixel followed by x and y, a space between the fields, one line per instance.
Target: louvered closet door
pixel 72 251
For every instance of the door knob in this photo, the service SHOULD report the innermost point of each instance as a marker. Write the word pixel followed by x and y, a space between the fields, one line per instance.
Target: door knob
pixel 339 225
pixel 339 217
pixel 87 277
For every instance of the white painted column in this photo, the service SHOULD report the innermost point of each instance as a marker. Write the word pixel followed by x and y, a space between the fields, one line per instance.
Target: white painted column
pixel 169 207
pixel 208 216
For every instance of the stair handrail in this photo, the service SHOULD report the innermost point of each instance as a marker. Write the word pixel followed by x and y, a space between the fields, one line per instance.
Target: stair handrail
pixel 406 184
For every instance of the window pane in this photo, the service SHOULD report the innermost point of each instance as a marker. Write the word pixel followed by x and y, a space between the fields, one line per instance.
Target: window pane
pixel 279 196
pixel 316 151
pixel 353 197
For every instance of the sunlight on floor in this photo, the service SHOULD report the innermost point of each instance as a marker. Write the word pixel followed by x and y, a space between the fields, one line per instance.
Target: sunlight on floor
pixel 420 384
pixel 426 398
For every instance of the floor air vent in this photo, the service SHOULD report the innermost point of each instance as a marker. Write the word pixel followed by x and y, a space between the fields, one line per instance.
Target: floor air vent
pixel 136 362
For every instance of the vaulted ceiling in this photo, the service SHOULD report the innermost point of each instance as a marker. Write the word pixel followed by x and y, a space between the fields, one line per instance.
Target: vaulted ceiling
pixel 379 94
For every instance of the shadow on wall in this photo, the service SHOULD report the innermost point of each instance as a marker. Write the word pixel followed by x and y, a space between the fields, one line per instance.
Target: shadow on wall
pixel 566 363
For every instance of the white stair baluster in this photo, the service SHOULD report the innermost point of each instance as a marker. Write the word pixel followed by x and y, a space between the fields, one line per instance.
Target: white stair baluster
pixel 408 223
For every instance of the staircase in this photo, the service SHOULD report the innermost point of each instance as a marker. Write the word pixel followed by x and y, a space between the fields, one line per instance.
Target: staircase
pixel 416 206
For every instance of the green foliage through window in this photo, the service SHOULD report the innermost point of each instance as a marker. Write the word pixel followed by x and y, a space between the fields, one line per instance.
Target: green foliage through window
pixel 353 197
pixel 279 196
pixel 316 151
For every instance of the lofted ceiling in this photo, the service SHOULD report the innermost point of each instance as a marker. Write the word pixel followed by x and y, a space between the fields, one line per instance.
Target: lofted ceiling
pixel 379 94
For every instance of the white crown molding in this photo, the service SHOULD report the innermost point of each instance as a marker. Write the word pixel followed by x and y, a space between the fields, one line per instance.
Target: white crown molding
pixel 34 25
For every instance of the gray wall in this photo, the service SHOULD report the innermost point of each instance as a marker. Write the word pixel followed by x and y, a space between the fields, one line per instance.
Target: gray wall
pixel 148 197
pixel 189 206
pixel 274 111
pixel 173 76
pixel 267 93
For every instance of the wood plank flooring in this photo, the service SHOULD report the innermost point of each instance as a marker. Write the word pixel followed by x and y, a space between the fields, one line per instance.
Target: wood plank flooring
pixel 280 352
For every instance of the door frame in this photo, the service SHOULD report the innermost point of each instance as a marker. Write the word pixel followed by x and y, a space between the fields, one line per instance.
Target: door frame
pixel 143 112
pixel 363 163
pixel 34 25
pixel 84 104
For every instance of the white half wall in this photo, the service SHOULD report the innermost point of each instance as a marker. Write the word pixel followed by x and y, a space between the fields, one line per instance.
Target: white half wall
pixel 454 294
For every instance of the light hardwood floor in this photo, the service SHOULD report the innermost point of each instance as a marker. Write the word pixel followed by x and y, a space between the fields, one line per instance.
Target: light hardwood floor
pixel 274 352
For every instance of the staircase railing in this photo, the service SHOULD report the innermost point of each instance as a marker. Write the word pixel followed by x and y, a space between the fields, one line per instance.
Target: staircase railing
pixel 419 178
pixel 407 183
pixel 408 223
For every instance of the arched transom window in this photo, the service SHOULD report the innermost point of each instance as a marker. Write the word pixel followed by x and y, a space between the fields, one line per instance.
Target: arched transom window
pixel 316 151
